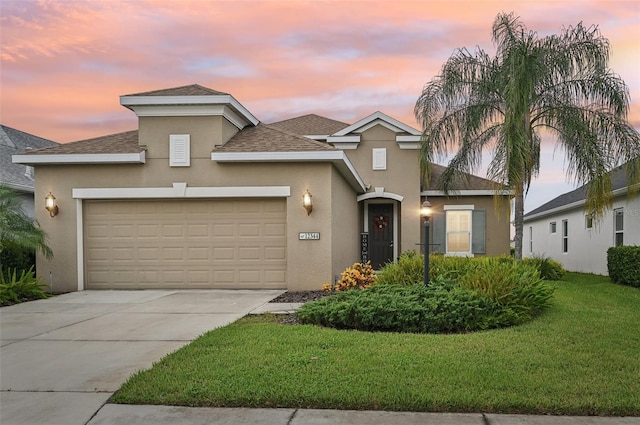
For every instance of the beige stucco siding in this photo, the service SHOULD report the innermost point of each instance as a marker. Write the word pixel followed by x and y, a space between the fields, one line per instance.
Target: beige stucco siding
pixel 345 230
pixel 402 177
pixel 309 263
pixel 497 230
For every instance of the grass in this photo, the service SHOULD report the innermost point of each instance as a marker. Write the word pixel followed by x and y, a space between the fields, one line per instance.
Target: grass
pixel 578 358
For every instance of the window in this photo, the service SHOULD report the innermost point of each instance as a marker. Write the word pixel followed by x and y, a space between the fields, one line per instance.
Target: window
pixel 588 221
pixel 458 232
pixel 531 237
pixel 552 227
pixel 618 215
pixel 565 236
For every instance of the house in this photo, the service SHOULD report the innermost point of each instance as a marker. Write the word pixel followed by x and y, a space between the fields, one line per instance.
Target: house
pixel 204 195
pixel 563 230
pixel 19 177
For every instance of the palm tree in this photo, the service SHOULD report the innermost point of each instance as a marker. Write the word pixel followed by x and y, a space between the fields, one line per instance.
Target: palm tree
pixel 558 85
pixel 19 232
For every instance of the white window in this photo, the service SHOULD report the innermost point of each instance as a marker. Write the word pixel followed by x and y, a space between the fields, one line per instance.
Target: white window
pixel 618 215
pixel 458 232
pixel 531 237
pixel 588 221
pixel 552 227
pixel 179 150
pixel 565 236
pixel 379 156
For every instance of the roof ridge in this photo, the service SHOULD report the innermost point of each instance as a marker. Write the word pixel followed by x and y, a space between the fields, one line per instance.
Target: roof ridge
pixel 185 87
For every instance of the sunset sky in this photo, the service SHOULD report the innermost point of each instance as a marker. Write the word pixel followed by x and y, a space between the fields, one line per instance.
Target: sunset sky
pixel 64 64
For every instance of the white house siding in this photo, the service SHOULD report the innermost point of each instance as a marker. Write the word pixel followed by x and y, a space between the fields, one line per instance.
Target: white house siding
pixel 587 248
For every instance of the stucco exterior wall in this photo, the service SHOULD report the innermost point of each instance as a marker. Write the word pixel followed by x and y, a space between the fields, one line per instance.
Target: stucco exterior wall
pixel 309 263
pixel 587 248
pixel 497 230
pixel 401 177
pixel 345 230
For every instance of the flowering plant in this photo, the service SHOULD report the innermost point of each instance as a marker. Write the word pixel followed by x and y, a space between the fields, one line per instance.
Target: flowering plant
pixel 358 276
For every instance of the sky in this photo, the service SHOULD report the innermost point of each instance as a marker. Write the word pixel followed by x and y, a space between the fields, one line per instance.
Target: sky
pixel 64 64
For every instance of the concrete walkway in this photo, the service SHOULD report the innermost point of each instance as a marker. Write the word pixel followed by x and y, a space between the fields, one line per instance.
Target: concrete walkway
pixel 62 358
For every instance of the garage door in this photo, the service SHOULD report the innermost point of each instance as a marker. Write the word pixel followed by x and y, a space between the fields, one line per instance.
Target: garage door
pixel 239 243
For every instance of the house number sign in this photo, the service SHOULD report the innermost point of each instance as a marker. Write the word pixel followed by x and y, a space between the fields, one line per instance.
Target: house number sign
pixel 309 236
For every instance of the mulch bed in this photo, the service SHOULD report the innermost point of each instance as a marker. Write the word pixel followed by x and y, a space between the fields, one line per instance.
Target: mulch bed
pixel 297 297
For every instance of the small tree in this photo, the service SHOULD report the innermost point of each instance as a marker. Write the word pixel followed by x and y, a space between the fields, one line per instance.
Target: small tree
pixel 19 233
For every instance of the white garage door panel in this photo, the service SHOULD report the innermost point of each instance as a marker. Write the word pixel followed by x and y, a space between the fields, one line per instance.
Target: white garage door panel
pixel 185 244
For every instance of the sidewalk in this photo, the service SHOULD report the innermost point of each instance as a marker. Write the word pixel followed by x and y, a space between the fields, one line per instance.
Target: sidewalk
pixel 115 414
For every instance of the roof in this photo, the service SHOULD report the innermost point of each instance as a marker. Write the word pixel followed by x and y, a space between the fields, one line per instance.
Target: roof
pixel 473 182
pixel 190 90
pixel 12 142
pixel 618 181
pixel 311 125
pixel 126 142
pixel 268 138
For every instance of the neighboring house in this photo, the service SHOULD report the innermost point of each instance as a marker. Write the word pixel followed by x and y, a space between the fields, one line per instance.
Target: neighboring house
pixel 562 230
pixel 203 195
pixel 19 177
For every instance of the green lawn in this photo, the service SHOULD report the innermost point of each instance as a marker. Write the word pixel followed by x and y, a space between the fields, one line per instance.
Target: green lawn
pixel 581 357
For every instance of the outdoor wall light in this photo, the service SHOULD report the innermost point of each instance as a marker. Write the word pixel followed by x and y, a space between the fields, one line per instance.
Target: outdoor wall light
pixel 50 205
pixel 426 212
pixel 306 201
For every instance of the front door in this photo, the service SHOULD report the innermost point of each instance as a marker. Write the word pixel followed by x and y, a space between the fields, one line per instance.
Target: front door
pixel 380 234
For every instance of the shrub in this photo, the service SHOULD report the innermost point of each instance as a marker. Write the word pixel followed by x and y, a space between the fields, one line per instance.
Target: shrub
pixel 408 270
pixel 358 276
pixel 514 285
pixel 442 307
pixel 20 260
pixel 549 269
pixel 20 287
pixel 623 264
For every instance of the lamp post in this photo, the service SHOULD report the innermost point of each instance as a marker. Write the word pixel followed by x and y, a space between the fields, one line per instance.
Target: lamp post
pixel 425 212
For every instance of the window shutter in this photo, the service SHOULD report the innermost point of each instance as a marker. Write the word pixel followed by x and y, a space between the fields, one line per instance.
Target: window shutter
pixel 179 150
pixel 439 234
pixel 379 158
pixel 478 232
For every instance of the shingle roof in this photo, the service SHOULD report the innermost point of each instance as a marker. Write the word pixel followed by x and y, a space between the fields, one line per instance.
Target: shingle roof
pixel 473 182
pixel 190 90
pixel 126 142
pixel 310 124
pixel 13 142
pixel 266 138
pixel 618 181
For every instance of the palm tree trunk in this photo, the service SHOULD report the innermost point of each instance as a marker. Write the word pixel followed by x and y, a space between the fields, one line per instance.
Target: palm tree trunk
pixel 517 221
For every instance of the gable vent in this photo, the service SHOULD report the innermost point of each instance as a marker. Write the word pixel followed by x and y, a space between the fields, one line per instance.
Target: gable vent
pixel 179 150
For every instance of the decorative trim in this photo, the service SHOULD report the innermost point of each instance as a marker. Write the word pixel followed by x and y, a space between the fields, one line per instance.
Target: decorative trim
pixel 180 190
pixel 478 192
pixel 383 195
pixel 409 145
pixel 337 157
pixel 80 244
pixel 82 158
pixel 141 103
pixel 458 207
pixel 361 125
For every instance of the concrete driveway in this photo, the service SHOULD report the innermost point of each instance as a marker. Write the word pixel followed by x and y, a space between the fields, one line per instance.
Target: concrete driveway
pixel 62 358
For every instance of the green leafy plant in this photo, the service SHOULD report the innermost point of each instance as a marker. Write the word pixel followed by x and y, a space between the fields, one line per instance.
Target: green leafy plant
pixel 549 269
pixel 623 264
pixel 15 288
pixel 407 270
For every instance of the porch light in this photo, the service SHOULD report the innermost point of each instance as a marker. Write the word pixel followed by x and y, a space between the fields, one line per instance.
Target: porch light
pixel 426 213
pixel 50 204
pixel 306 201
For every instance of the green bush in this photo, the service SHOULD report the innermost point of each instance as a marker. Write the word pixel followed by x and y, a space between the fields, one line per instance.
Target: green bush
pixel 514 285
pixel 441 307
pixel 20 260
pixel 623 264
pixel 549 269
pixel 16 288
pixel 407 270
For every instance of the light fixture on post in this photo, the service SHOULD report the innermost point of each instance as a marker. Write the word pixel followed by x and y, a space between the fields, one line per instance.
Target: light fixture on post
pixel 50 204
pixel 306 201
pixel 426 212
